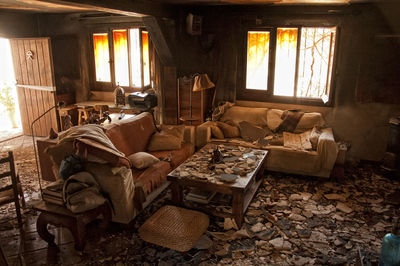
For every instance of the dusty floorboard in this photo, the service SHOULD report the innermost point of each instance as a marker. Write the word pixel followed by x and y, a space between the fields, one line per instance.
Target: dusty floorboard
pixel 293 220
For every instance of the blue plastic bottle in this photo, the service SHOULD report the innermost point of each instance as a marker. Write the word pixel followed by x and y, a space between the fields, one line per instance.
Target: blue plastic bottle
pixel 390 252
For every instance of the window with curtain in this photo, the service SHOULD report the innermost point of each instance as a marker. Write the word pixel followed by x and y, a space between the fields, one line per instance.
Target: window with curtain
pixel 121 56
pixel 298 66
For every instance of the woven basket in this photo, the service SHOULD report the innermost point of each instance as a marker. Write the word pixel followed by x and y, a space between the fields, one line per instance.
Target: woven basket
pixel 175 228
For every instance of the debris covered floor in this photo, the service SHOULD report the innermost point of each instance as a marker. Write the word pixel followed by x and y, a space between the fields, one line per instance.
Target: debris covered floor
pixel 293 220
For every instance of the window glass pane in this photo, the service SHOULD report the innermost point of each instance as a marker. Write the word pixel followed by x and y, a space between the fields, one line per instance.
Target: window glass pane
pixel 135 58
pixel 101 57
pixel 315 62
pixel 257 60
pixel 146 60
pixel 121 57
pixel 285 61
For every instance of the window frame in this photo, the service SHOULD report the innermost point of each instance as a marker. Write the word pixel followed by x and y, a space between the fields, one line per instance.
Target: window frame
pixel 110 86
pixel 267 95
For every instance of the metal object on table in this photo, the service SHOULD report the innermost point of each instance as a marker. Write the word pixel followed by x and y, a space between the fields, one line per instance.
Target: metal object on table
pixel 142 101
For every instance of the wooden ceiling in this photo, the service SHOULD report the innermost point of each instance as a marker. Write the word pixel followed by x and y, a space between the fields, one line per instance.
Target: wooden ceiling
pixel 260 2
pixel 140 8
pixel 40 6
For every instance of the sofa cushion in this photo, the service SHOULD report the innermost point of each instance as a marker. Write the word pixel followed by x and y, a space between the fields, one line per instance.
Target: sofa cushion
pixel 124 134
pixel 229 131
pixel 174 130
pixel 175 157
pixel 250 132
pixel 152 177
pixel 142 160
pixel 309 120
pixel 297 141
pixel 254 115
pixel 161 141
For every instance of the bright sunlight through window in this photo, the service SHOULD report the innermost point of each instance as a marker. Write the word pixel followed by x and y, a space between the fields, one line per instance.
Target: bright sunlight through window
pixel 257 60
pixel 303 61
pixel 285 61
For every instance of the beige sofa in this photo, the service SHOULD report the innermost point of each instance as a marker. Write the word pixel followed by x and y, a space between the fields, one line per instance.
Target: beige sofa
pixel 318 162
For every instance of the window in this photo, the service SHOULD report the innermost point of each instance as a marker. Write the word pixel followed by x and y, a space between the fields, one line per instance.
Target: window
pixel 297 64
pixel 121 56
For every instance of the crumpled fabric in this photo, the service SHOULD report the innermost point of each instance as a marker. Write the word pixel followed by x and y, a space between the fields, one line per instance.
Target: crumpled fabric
pixel 220 110
pixel 81 192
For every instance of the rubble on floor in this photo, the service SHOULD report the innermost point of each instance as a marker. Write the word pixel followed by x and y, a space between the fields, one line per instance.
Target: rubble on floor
pixel 292 220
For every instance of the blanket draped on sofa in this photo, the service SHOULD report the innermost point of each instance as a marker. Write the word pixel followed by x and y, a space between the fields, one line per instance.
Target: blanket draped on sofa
pixel 107 164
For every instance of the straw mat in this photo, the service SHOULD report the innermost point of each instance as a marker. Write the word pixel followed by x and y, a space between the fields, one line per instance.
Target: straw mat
pixel 175 228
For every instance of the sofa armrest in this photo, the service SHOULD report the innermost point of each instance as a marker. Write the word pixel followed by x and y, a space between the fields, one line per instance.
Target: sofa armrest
pixel 327 149
pixel 203 134
pixel 189 137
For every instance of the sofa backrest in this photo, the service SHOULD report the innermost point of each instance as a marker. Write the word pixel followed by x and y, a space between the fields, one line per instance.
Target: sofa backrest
pixel 254 115
pixel 133 134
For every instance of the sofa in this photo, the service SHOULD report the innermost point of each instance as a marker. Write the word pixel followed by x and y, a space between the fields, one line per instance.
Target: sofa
pixel 129 189
pixel 281 157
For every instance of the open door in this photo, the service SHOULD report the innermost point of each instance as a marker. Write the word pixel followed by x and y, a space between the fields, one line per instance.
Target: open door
pixel 33 67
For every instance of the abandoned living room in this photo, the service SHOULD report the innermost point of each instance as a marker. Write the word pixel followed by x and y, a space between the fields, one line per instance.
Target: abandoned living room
pixel 199 132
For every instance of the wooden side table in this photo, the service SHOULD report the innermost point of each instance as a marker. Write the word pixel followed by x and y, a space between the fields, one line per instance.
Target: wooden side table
pixel 75 222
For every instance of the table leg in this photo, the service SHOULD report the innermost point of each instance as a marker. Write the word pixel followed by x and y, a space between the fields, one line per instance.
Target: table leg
pixel 176 193
pixel 237 207
pixel 41 227
pixel 106 212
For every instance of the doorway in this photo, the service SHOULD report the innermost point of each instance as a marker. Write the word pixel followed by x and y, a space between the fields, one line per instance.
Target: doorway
pixel 10 119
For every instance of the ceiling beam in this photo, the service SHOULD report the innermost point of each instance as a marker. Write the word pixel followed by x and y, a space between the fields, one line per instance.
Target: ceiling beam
pixel 161 43
pixel 136 8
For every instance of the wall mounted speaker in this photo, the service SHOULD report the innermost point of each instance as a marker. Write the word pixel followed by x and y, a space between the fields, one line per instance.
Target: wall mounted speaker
pixel 193 24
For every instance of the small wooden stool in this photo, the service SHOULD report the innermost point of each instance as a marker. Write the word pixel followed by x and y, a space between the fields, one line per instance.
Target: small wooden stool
pixel 175 228
pixel 75 222
pixel 83 112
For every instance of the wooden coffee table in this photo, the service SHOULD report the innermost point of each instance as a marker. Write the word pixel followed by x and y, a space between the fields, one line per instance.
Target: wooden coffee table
pixel 197 171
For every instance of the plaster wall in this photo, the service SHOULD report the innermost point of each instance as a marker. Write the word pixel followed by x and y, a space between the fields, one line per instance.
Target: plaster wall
pixel 17 25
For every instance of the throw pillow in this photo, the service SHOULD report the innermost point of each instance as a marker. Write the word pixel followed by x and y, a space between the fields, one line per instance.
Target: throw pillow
pixel 250 132
pixel 161 141
pixel 174 130
pixel 141 160
pixel 308 121
pixel 290 119
pixel 274 118
pixel 217 132
pixel 228 130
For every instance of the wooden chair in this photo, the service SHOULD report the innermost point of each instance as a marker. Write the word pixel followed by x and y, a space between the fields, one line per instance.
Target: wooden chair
pixel 83 114
pixel 10 185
